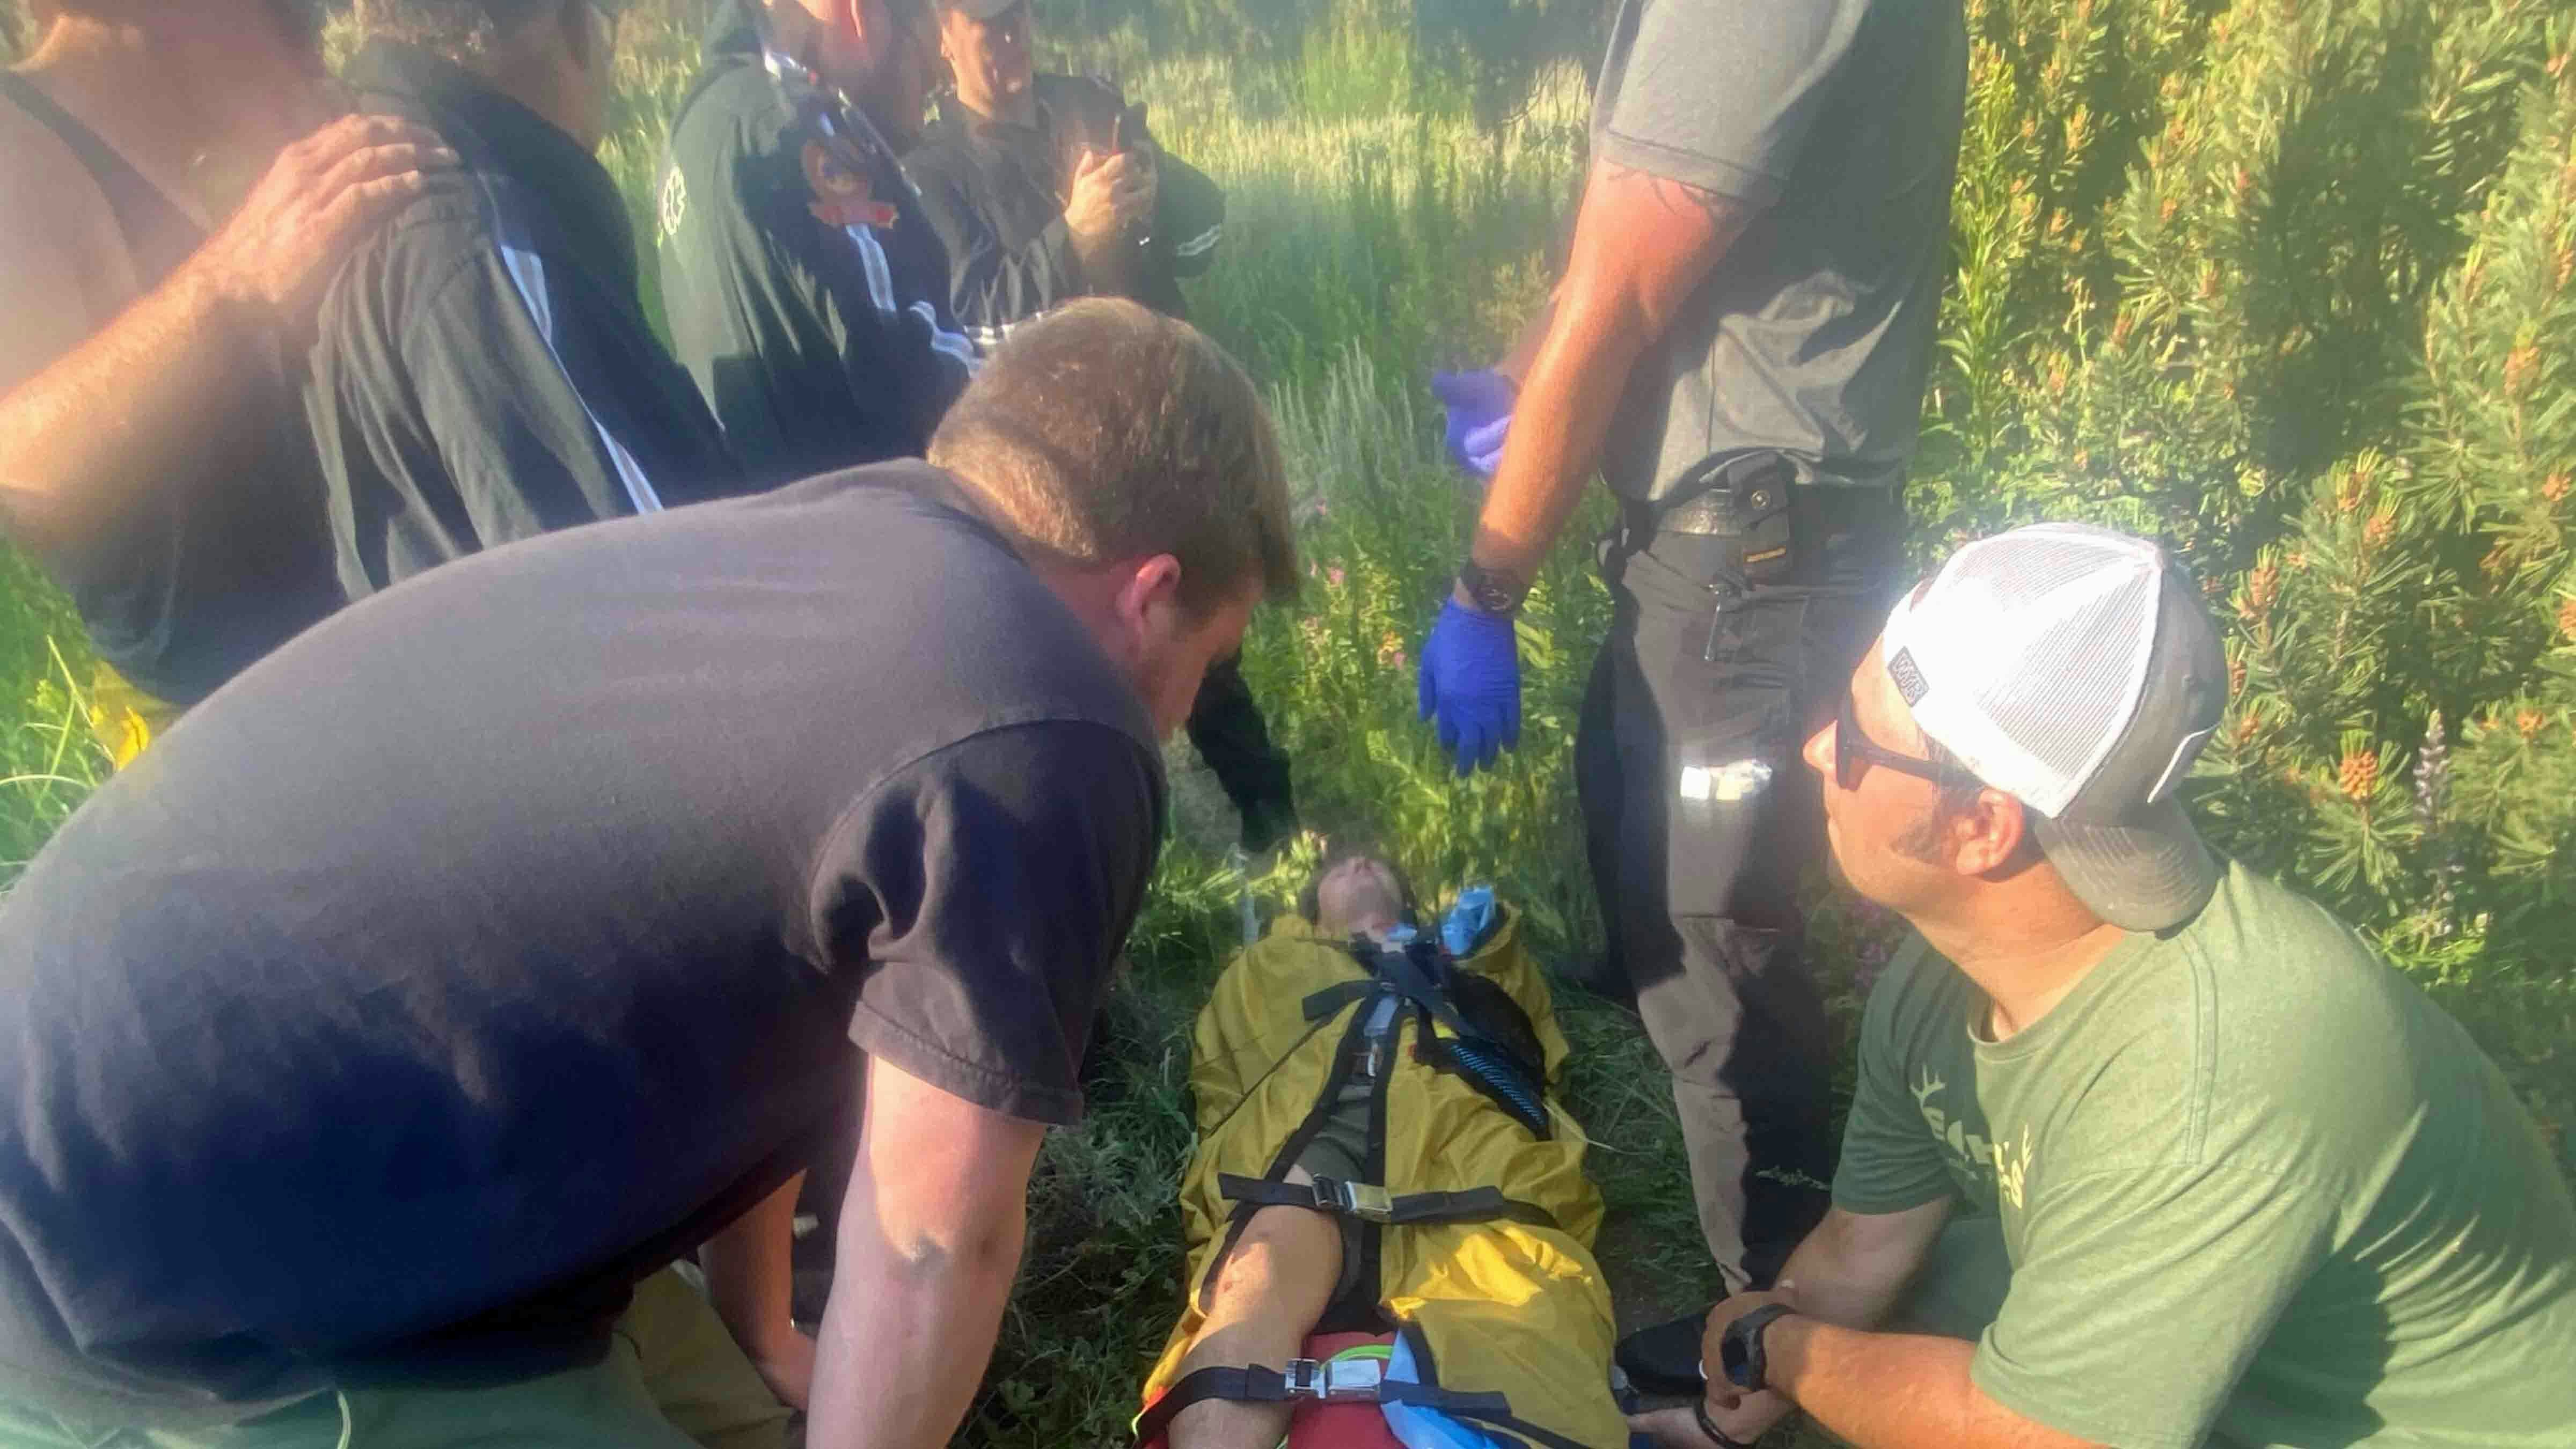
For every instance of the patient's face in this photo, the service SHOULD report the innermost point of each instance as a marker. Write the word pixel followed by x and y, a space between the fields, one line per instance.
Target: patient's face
pixel 1358 896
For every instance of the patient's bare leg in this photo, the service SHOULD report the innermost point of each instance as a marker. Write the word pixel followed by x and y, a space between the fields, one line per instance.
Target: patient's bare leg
pixel 1269 1293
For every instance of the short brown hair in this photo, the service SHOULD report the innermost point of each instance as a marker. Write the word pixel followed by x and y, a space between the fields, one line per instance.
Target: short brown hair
pixel 456 29
pixel 1103 431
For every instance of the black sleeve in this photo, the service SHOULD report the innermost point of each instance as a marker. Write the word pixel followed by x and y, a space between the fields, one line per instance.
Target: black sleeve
pixel 1189 215
pixel 993 286
pixel 982 894
pixel 521 449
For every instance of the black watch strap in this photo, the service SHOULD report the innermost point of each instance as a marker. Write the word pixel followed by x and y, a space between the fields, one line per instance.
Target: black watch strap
pixel 1747 1367
pixel 1492 591
pixel 1708 1426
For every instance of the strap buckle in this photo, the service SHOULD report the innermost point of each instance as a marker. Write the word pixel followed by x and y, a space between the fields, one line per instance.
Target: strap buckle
pixel 1330 1381
pixel 1362 1200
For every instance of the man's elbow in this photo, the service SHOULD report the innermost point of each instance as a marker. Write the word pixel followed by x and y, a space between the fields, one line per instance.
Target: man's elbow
pixel 983 1245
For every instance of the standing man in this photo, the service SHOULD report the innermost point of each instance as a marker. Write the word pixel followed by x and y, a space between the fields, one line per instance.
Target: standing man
pixel 152 452
pixel 1047 187
pixel 1740 342
pixel 807 294
pixel 344 1104
pixel 2222 1176
pixel 484 372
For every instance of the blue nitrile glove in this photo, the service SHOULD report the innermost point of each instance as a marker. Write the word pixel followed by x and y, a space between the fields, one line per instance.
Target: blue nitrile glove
pixel 1480 416
pixel 1471 679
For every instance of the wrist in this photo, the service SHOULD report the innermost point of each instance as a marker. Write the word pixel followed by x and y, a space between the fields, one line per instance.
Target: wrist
pixel 218 296
pixel 1495 593
pixel 1745 1348
pixel 777 1341
pixel 1784 1349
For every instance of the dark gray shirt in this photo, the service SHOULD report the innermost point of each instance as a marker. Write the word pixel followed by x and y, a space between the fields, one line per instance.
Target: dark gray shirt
pixel 496 940
pixel 1840 120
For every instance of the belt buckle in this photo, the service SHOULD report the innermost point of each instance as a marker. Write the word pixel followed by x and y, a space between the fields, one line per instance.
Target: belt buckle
pixel 1359 1199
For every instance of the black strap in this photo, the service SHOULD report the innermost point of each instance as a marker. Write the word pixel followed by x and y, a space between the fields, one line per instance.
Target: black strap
pixel 1408 978
pixel 1708 1426
pixel 1260 1385
pixel 1375 1204
pixel 158 235
pixel 1333 998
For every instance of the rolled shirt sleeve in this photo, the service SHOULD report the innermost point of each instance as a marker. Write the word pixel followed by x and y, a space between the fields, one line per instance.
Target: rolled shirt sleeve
pixel 982 894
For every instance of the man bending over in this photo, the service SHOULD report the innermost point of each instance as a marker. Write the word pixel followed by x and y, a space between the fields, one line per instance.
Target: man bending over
pixel 362 1093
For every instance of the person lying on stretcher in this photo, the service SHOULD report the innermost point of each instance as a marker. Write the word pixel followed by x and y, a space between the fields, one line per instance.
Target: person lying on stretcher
pixel 1390 1233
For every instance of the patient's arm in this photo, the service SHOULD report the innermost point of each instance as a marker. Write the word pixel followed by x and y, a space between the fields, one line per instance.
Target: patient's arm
pixel 1269 1293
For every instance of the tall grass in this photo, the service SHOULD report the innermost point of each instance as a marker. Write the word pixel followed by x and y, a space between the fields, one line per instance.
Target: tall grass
pixel 1375 232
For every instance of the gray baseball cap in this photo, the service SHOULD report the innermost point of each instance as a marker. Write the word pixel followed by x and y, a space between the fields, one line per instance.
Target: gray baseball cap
pixel 2075 669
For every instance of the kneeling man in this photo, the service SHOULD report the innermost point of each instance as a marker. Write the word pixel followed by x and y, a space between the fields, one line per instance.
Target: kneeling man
pixel 358 1091
pixel 2239 1182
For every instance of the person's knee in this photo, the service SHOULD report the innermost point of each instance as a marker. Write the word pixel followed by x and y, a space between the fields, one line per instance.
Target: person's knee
pixel 1287 1257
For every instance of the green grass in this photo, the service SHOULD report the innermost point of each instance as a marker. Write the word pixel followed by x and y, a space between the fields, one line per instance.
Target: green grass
pixel 1373 234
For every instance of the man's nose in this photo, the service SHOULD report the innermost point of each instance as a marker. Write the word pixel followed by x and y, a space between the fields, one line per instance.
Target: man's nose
pixel 1819 751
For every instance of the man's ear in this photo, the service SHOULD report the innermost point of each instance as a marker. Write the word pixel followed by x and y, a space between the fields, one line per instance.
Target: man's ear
pixel 1151 592
pixel 1990 837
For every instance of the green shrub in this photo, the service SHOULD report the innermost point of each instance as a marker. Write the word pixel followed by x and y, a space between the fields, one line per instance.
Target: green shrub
pixel 2288 286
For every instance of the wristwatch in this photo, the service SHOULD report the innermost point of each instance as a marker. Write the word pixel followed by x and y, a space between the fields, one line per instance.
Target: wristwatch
pixel 1708 1426
pixel 1492 591
pixel 1739 1350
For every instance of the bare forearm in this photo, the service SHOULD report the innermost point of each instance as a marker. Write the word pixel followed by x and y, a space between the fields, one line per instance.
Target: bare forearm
pixel 1524 350
pixel 751 1273
pixel 1895 1391
pixel 1573 385
pixel 175 369
pixel 907 1336
pixel 189 362
pixel 1854 1277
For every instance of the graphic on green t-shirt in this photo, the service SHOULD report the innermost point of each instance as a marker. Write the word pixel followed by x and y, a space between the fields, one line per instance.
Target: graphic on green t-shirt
pixel 2255 1188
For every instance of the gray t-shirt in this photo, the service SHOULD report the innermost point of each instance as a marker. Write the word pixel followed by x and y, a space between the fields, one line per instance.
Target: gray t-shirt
pixel 1840 120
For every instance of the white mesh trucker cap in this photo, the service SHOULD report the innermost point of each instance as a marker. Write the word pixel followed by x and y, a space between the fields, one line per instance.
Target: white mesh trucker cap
pixel 2074 669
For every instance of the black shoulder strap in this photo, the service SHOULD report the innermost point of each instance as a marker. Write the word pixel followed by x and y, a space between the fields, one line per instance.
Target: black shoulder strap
pixel 1375 1204
pixel 158 235
pixel 1321 1004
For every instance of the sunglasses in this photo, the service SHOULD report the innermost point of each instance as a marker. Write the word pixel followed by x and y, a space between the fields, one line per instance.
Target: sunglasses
pixel 1855 752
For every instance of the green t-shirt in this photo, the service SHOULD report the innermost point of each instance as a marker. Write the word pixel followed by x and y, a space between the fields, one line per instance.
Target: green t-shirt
pixel 2255 1187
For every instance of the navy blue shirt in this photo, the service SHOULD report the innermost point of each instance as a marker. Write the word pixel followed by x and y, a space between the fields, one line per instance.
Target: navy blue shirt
pixel 495 941
pixel 481 369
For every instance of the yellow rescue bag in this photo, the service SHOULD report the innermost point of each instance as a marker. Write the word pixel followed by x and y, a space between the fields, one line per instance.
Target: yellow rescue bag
pixel 1496 1290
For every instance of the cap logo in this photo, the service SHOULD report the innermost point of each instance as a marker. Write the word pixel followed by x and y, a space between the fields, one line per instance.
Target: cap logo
pixel 1909 677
